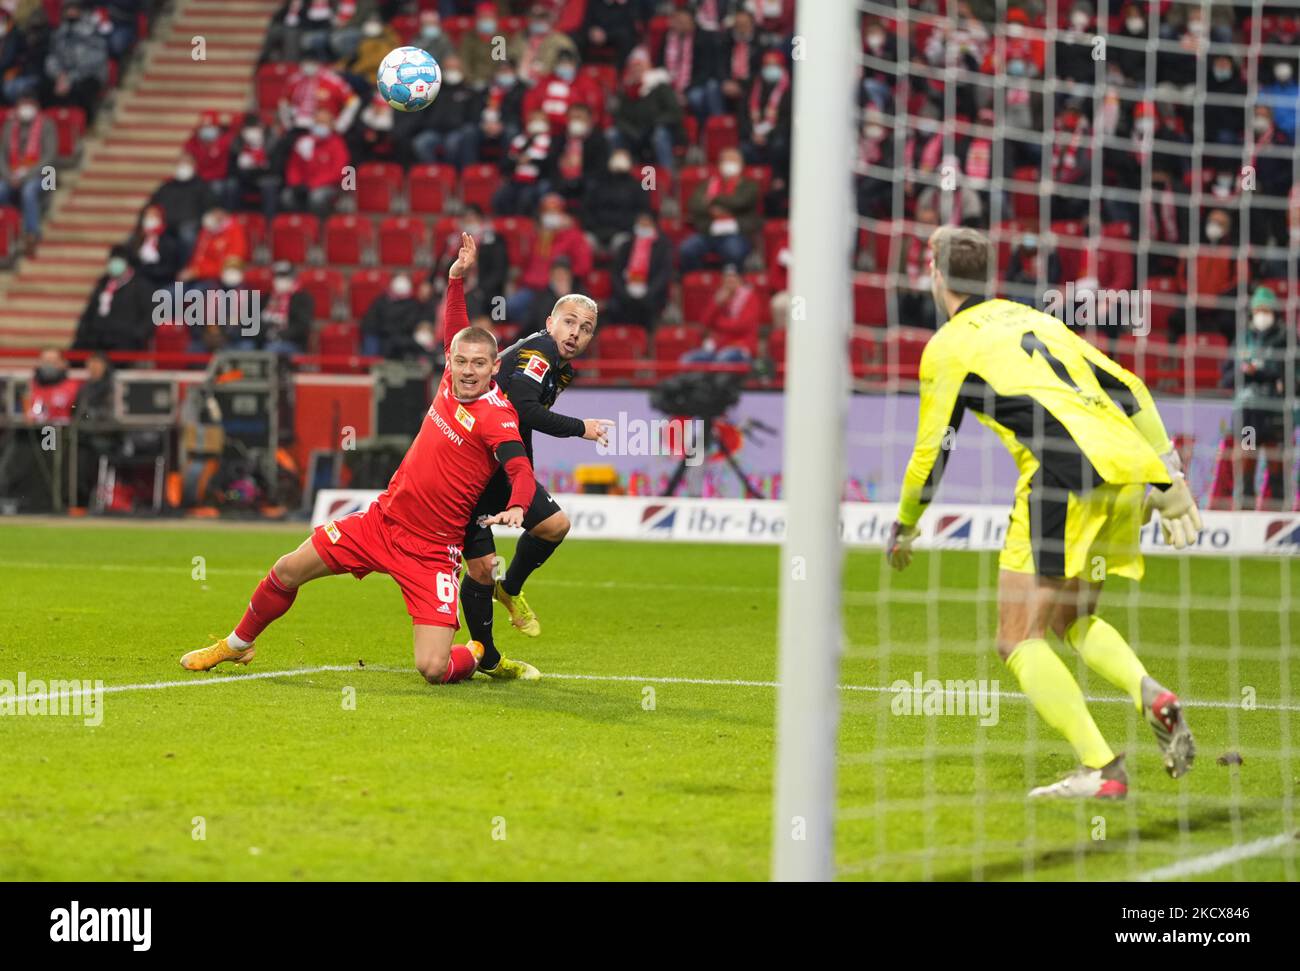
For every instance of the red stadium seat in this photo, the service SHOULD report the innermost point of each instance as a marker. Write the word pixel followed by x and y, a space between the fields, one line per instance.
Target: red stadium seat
pixel 605 76
pixel 430 187
pixel 258 278
pixel 776 236
pixel 349 239
pixel 672 342
pixel 1207 353
pixel 762 174
pixel 71 125
pixel 379 185
pixel 776 340
pixel 698 289
pixel 326 289
pixel 869 296
pixel 862 355
pixel 455 27
pixel 364 286
pixel 621 342
pixel 518 233
pixel 10 229
pixel 903 348
pixel 477 184
pixel 598 286
pixel 656 29
pixel 403 241
pixel 661 183
pixel 171 338
pixel 691 177
pixel 1024 201
pixel 254 224
pixel 1165 299
pixel 272 78
pixel 720 132
pixel 292 236
pixel 339 340
pixel 758 281
pixel 676 231
pixel 506 334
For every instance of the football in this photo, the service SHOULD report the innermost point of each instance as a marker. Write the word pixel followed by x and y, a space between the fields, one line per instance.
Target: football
pixel 409 78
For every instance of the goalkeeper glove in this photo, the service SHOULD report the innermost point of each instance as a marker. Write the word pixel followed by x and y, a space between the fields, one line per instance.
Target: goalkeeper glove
pixel 1180 522
pixel 899 547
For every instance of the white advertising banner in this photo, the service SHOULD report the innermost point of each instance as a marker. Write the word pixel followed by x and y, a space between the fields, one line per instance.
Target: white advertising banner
pixel 944 526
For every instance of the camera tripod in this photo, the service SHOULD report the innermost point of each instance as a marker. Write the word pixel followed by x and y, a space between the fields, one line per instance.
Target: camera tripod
pixel 712 440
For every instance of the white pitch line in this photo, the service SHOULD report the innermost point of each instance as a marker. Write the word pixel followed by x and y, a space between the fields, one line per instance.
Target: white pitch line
pixel 1216 860
pixel 158 685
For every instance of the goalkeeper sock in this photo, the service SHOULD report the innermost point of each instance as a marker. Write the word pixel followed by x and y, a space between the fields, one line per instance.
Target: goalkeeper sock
pixel 460 664
pixel 1058 700
pixel 1104 649
pixel 476 600
pixel 271 600
pixel 529 555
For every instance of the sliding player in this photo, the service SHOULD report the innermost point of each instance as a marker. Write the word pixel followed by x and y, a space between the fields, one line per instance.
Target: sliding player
pixel 1087 439
pixel 413 531
pixel 534 370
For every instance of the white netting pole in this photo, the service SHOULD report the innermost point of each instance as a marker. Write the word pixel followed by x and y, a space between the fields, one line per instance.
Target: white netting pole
pixel 816 403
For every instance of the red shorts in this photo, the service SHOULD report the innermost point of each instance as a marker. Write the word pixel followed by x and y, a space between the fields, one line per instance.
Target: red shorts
pixel 427 573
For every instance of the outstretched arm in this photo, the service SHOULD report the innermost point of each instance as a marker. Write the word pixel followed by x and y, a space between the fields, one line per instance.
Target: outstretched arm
pixel 455 317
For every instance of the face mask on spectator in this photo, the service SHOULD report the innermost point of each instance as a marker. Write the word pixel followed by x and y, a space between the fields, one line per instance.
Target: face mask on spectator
pixel 474 229
pixel 1282 72
pixel 620 163
pixel 645 231
pixel 875 131
pixel 566 72
pixel 1222 73
pixel 253 137
pixel 50 374
pixel 453 77
pixel 579 128
pixel 1016 68
pixel 212 222
pixel 116 266
pixel 208 132
pixel 431 32
pixel 552 220
pixel 319 130
pixel 875 41
pixel 400 288
pixel 772 74
pixel 506 81
pixel 185 171
pixel 1135 25
pixel 486 25
pixel 1079 20
pixel 1261 124
pixel 151 224
pixel 1214 232
pixel 1261 319
pixel 1223 185
pixel 424 336
pixel 231 278
pixel 729 169
pixel 310 68
pixel 1196 28
pixel 373 28
pixel 1029 242
pixel 26 111
pixel 1144 126
pixel 539 127
pixel 283 284
pixel 539 27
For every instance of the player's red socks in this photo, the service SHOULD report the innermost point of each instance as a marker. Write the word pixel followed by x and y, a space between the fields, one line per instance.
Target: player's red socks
pixel 460 665
pixel 271 600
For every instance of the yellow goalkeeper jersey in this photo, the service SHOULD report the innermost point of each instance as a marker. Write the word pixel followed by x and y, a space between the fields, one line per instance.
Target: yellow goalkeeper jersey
pixel 1068 414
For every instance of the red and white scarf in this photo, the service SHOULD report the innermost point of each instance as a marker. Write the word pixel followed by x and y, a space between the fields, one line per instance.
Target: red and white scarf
pixel 638 261
pixel 772 105
pixel 679 51
pixel 30 152
pixel 111 287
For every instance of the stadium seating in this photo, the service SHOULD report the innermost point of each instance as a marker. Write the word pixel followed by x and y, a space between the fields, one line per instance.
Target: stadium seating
pixel 326 288
pixel 349 240
pixel 674 341
pixel 364 286
pixel 698 290
pixel 430 188
pixel 477 184
pixel 403 241
pixel 869 299
pixel 620 342
pixel 293 236
pixel 378 186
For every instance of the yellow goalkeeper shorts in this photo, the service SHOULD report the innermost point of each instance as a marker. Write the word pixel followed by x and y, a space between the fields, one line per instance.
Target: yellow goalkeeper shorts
pixel 1089 535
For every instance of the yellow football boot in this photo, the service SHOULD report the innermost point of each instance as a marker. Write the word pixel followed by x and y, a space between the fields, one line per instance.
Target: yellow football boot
pixel 521 615
pixel 508 670
pixel 207 658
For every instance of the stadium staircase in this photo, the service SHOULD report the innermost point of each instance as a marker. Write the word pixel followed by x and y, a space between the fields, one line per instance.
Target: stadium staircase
pixel 134 147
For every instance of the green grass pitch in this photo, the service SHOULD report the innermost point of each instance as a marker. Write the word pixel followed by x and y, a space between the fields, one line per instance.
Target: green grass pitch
pixel 627 774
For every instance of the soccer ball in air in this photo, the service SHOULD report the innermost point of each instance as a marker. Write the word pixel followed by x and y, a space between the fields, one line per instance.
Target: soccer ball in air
pixel 409 78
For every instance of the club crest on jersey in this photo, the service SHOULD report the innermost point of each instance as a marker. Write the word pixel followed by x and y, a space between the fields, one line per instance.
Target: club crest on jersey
pixel 537 367
pixel 465 418
pixel 332 531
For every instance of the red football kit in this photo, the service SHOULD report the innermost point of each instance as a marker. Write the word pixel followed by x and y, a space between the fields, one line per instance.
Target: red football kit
pixel 413 531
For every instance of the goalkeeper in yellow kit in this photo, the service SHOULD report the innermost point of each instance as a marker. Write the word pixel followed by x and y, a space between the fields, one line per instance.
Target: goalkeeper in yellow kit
pixel 1087 439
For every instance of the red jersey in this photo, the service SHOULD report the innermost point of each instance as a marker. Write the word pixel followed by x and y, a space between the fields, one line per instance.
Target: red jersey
pixel 433 492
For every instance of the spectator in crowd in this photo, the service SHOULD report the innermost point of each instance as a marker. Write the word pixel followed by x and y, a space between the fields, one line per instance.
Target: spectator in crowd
pixel 766 123
pixel 28 145
pixel 314 173
pixel 732 319
pixel 578 156
pixel 778 278
pixel 1075 44
pixel 1281 92
pixel 558 283
pixel 688 57
pixel 1069 167
pixel 1257 372
pixel 430 36
pixel 221 238
pixel 315 88
pixel 648 116
pixel 154 250
pixel 610 24
pixel 388 327
pixel 555 93
pixel 94 401
pixel 915 302
pixel 740 54
pixel 538 54
pixel 209 146
pixel 1271 160
pixel 1128 48
pixel 53 392
pixel 775 21
pixel 119 314
pixel 557 236
pixel 525 164
pixel 371 138
pixel 643 270
pixel 448 128
pixel 20 67
pixel 376 40
pixel 301 28
pixel 477 46
pixel 1031 267
pixel 724 211
pixel 877 83
pixel 76 67
pixel 286 316
pixel 1186 33
pixel 612 201
pixel 485 286
pixel 502 116
pixel 875 148
pixel 1224 119
pixel 184 199
pixel 251 178
pixel 1215 284
pixel 123 19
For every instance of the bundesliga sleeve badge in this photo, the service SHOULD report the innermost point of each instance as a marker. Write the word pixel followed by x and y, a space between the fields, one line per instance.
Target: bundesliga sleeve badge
pixel 537 368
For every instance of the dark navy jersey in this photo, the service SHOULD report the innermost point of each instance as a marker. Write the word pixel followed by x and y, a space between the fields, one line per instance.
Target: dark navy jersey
pixel 532 375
